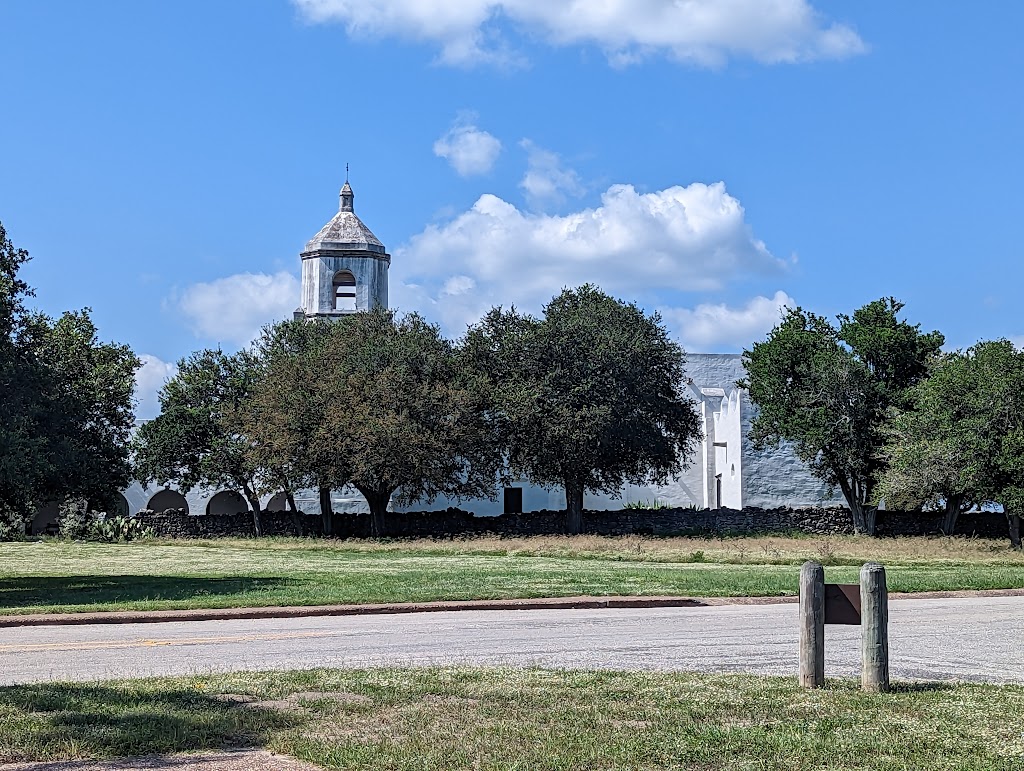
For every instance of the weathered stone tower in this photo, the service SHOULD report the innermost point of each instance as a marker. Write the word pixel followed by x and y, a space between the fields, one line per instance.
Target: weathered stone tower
pixel 344 266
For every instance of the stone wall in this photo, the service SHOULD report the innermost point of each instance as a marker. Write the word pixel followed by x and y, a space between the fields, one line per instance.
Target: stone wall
pixel 660 522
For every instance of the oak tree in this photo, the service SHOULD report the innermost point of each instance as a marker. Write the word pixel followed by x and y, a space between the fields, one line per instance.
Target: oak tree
pixel 825 390
pixel 284 417
pixel 195 440
pixel 377 401
pixel 589 397
pixel 957 442
pixel 66 413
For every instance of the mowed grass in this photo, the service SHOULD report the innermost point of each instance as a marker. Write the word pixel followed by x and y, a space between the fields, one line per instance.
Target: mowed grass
pixel 464 718
pixel 58 576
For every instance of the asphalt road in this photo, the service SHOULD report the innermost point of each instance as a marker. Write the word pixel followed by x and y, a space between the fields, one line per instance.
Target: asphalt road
pixel 935 639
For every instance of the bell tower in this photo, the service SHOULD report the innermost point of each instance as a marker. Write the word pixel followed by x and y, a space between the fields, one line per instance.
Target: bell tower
pixel 344 266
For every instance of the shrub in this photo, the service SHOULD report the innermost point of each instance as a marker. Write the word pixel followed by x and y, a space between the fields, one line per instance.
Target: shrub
pixel 79 524
pixel 117 529
pixel 646 505
pixel 12 527
pixel 73 520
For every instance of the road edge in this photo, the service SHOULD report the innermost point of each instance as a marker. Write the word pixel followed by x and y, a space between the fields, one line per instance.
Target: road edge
pixel 371 609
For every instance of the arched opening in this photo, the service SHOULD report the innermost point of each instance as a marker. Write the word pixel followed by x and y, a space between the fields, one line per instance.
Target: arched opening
pixel 227 502
pixel 46 519
pixel 166 500
pixel 344 291
pixel 117 507
pixel 121 508
pixel 278 503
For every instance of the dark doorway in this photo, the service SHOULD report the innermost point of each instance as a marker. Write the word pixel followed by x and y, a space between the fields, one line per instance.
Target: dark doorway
pixel 513 500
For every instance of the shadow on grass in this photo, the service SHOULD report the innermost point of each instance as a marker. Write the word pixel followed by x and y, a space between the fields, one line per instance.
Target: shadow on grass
pixel 89 590
pixel 61 720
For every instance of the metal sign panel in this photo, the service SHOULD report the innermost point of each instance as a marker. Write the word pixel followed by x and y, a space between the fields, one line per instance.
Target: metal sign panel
pixel 842 604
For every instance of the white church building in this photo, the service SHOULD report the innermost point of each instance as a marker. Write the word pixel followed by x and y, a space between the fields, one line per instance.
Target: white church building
pixel 345 270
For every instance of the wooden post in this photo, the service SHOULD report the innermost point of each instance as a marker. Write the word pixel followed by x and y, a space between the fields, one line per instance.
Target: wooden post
pixel 812 625
pixel 874 627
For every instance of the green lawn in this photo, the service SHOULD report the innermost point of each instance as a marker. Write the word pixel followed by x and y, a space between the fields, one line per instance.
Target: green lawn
pixel 428 719
pixel 66 577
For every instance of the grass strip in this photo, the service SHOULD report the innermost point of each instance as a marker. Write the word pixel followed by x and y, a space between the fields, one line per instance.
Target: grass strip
pixel 468 718
pixel 54 576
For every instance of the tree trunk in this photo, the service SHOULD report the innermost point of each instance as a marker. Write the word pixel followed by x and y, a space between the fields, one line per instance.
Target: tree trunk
pixel 950 514
pixel 378 502
pixel 291 508
pixel 863 515
pixel 254 504
pixel 326 513
pixel 1015 531
pixel 573 507
pixel 863 518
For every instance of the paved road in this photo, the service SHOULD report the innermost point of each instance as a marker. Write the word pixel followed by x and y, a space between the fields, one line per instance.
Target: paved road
pixel 969 639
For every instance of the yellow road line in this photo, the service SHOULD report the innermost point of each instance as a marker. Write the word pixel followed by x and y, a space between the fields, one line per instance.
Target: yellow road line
pixel 170 641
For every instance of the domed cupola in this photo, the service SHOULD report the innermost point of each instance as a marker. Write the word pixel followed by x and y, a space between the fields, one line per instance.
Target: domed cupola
pixel 344 266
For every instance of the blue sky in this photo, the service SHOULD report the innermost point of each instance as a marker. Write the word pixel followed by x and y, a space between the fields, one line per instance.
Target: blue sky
pixel 165 162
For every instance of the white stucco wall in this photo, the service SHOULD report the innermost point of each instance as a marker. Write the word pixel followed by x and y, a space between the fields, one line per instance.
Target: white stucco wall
pixel 769 477
pixel 765 478
pixel 371 274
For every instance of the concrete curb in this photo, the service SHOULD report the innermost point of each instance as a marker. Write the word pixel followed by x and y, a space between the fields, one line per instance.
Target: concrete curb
pixel 369 609
pixel 540 603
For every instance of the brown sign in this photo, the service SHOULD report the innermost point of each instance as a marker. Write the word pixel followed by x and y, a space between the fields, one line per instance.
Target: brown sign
pixel 842 604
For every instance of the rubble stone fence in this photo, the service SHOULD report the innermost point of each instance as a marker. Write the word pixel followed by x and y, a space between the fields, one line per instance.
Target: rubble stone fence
pixel 657 522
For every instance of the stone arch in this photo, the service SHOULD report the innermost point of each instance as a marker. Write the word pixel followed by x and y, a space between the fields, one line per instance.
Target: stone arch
pixel 167 499
pixel 46 519
pixel 227 502
pixel 121 507
pixel 344 290
pixel 278 503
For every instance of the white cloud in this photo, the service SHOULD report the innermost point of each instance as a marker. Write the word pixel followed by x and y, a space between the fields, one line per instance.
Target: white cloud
pixel 233 309
pixel 546 180
pixel 677 239
pixel 468 149
pixel 457 285
pixel 710 328
pixel 149 379
pixel 703 32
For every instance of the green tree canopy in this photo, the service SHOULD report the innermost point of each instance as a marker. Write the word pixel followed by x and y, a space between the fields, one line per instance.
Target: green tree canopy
pixel 66 416
pixel 377 401
pixel 1002 366
pixel 936 453
pixel 826 391
pixel 195 440
pixel 285 416
pixel 954 444
pixel 589 397
pixel 23 464
pixel 90 416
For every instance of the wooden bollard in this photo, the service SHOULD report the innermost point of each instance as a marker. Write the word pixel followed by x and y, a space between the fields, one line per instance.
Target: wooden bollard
pixel 874 628
pixel 812 625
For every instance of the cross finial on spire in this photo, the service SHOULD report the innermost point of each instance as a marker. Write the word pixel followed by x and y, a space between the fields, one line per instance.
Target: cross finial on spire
pixel 346 193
